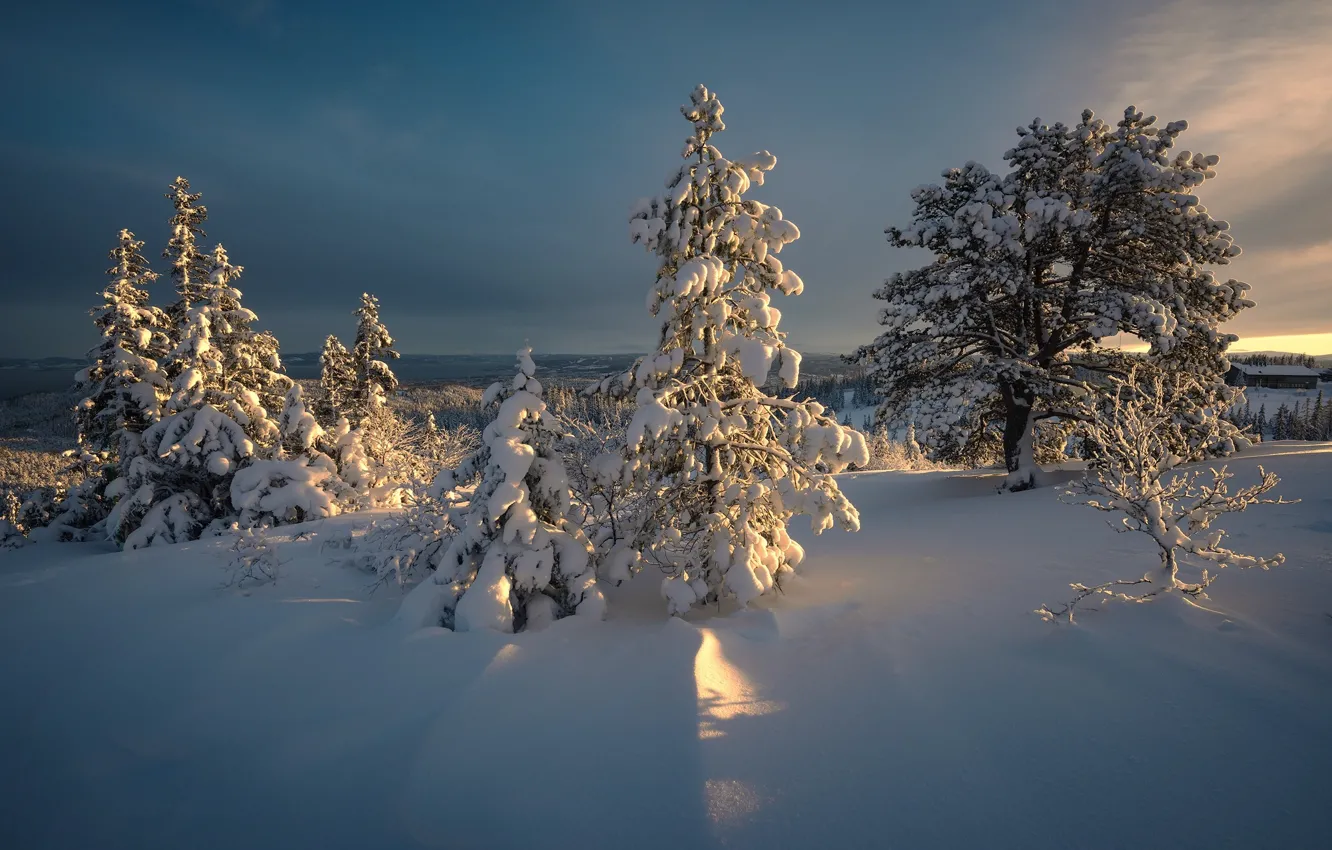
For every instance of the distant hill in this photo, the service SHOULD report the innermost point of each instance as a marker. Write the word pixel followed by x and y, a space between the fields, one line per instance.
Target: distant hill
pixel 19 376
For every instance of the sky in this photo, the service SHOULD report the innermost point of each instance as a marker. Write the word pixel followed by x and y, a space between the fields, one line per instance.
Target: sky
pixel 475 167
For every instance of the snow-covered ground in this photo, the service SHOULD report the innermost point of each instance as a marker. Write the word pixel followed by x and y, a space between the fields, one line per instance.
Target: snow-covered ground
pixel 1259 397
pixel 900 695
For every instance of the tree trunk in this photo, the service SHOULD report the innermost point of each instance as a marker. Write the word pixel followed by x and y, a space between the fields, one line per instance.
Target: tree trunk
pixel 1019 441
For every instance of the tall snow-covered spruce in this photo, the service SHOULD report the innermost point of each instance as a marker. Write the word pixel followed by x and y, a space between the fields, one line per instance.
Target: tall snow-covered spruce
pixel 223 361
pixel 124 383
pixel 518 559
pixel 189 266
pixel 1094 230
pixel 721 464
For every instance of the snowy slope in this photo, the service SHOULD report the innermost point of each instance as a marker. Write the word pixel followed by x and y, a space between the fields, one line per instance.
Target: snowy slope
pixel 901 695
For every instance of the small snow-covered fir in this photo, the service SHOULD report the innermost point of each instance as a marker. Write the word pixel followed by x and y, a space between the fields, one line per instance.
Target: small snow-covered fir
pixel 374 378
pixel 337 381
pixel 518 559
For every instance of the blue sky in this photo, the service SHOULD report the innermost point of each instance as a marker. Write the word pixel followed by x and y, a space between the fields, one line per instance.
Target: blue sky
pixel 474 167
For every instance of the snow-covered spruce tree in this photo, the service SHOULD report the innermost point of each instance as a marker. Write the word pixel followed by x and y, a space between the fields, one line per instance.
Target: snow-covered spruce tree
pixel 720 464
pixel 189 266
pixel 224 362
pixel 1136 473
pixel 299 431
pixel 370 445
pixel 337 380
pixel 375 381
pixel 216 423
pixel 123 385
pixel 1094 230
pixel 518 559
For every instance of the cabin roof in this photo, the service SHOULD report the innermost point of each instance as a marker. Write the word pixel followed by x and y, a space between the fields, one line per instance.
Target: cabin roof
pixel 1278 371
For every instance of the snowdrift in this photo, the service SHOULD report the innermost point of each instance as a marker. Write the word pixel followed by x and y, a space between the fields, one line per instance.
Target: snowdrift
pixel 900 694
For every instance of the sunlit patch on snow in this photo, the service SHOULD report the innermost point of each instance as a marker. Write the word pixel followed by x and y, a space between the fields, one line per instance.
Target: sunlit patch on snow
pixel 507 654
pixel 731 799
pixel 724 693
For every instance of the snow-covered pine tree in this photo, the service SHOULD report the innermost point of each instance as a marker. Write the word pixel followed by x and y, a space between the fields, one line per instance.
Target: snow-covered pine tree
pixel 123 384
pixel 518 559
pixel 189 266
pixel 224 362
pixel 375 381
pixel 1094 230
pixel 722 466
pixel 337 382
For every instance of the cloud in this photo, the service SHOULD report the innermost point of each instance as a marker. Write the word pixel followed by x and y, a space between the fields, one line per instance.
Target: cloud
pixel 1252 79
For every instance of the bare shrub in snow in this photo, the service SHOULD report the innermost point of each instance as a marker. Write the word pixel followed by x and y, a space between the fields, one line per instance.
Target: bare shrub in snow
pixel 1137 474
pixel 721 464
pixel 1095 230
pixel 254 559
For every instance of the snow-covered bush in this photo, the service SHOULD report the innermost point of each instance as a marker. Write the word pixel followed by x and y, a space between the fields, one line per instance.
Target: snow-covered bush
pixel 273 492
pixel 721 465
pixel 1095 230
pixel 404 548
pixel 182 481
pixel 77 508
pixel 10 535
pixel 518 559
pixel 1137 474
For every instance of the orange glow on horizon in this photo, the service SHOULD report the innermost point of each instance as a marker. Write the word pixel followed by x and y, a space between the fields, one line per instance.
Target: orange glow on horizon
pixel 1315 344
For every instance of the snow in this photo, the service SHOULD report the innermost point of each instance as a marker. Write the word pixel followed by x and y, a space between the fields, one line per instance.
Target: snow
pixel 898 694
